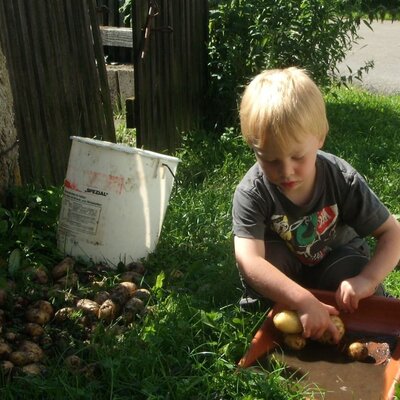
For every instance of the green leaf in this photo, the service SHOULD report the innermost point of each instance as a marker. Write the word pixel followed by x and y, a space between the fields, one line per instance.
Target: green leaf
pixel 14 262
pixel 3 227
pixel 159 281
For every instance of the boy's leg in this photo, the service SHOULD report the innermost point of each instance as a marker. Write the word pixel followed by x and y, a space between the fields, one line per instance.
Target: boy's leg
pixel 278 254
pixel 342 263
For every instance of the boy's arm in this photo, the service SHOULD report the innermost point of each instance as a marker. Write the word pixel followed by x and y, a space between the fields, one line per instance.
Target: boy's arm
pixel 384 260
pixel 271 283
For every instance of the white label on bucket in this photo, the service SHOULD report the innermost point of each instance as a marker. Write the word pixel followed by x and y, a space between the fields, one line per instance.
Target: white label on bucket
pixel 79 213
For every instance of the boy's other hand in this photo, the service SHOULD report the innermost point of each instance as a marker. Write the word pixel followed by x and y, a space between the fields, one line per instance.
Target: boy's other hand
pixel 351 291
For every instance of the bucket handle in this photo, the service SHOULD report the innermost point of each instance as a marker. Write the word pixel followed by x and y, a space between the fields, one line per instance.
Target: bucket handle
pixel 173 175
pixel 169 169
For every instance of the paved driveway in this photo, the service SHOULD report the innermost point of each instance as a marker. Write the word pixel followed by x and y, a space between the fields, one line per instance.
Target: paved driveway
pixel 382 45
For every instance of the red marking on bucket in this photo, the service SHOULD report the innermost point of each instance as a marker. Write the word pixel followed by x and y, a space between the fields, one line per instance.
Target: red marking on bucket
pixel 70 185
pixel 106 182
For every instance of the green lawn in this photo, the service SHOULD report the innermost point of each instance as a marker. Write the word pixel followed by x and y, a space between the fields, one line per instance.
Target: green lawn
pixel 189 345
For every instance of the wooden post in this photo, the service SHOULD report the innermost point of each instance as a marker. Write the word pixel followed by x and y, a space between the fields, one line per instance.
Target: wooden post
pixel 9 169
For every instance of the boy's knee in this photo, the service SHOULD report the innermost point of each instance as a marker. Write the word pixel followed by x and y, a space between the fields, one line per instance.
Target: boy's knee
pixel 346 264
pixel 279 255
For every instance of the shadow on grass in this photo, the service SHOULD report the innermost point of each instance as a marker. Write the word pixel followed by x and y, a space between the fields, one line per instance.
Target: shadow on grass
pixel 364 129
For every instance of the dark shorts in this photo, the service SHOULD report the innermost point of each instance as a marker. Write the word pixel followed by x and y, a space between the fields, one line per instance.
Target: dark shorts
pixel 340 264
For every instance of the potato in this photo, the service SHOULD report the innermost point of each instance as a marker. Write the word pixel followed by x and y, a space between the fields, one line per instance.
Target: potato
pixel 327 338
pixel 5 350
pixel 45 341
pixel 33 369
pixel 40 312
pixel 131 276
pixel 45 306
pixel 101 297
pixel 69 280
pixel 134 304
pixel 35 353
pixel 37 316
pixel 133 307
pixel 136 266
pixel 123 292
pixel 357 351
pixel 33 329
pixel 65 267
pixel 41 275
pixel 294 341
pixel 11 336
pixel 73 362
pixel 288 322
pixel 89 371
pixel 130 286
pixel 142 294
pixel 20 358
pixel 64 313
pixel 108 311
pixel 6 367
pixel 88 306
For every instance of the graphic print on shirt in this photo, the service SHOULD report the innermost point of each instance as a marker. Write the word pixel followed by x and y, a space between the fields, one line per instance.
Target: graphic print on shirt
pixel 307 236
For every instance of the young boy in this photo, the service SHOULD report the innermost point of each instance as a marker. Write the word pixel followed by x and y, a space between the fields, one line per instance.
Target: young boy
pixel 300 214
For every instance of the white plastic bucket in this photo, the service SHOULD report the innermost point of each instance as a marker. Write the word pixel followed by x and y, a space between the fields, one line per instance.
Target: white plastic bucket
pixel 114 202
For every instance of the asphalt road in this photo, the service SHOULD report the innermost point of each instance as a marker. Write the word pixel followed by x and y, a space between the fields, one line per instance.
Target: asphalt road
pixel 382 45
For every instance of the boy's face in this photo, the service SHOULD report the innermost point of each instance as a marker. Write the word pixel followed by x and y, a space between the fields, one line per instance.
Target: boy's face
pixel 291 168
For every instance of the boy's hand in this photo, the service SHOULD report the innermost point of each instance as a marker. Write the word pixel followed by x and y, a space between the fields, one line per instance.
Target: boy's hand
pixel 315 318
pixel 385 258
pixel 352 290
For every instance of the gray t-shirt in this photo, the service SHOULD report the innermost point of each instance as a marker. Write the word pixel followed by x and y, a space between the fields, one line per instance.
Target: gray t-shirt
pixel 342 208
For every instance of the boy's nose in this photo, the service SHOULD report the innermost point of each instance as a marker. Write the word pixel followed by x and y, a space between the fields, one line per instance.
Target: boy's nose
pixel 287 169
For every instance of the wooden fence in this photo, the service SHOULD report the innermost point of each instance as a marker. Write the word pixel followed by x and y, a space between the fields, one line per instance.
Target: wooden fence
pixel 58 78
pixel 109 14
pixel 56 64
pixel 170 66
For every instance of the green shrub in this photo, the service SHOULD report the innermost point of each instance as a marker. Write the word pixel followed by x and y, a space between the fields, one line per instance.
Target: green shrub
pixel 381 9
pixel 246 37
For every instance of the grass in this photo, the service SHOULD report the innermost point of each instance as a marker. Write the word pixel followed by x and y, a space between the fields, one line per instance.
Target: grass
pixel 189 346
pixel 365 131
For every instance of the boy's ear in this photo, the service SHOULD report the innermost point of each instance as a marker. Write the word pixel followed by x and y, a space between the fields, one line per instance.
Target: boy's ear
pixel 321 143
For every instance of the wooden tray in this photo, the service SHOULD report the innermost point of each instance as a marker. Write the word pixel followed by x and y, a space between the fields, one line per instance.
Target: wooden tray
pixel 376 316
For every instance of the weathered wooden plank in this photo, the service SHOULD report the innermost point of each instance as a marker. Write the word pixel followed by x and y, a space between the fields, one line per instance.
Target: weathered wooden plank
pixel 106 109
pixel 171 78
pixel 130 112
pixel 32 116
pixel 47 87
pixel 92 73
pixel 59 82
pixel 116 37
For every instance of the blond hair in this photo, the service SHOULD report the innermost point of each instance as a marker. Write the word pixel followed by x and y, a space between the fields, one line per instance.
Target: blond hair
pixel 282 105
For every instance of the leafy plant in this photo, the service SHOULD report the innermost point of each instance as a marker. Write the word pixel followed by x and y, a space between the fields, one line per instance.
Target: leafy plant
pixel 382 9
pixel 246 37
pixel 28 229
pixel 125 9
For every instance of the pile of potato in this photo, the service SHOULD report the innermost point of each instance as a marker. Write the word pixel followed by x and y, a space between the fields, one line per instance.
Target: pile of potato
pixel 21 348
pixel 29 328
pixel 124 300
pixel 288 322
